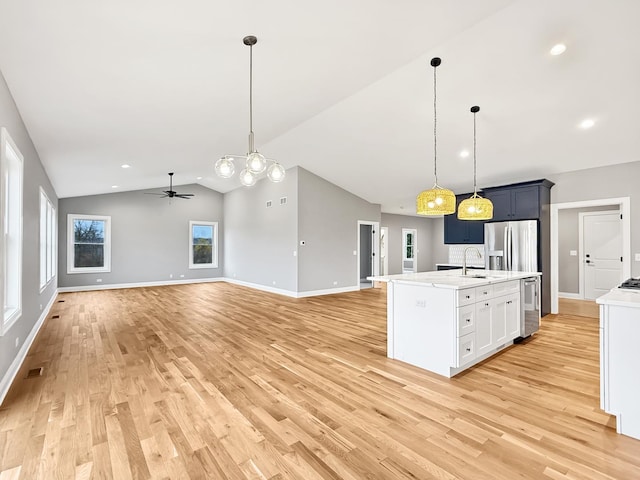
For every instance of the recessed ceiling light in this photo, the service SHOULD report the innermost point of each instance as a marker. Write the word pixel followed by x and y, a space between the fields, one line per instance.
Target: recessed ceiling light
pixel 125 166
pixel 114 186
pixel 587 123
pixel 198 178
pixel 464 153
pixel 558 49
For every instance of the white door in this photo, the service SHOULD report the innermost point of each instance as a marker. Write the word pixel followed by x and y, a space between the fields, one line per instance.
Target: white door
pixel 409 250
pixel 384 260
pixel 601 252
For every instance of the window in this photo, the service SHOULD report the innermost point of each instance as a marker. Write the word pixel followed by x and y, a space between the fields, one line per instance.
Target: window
pixel 11 172
pixel 88 243
pixel 203 244
pixel 47 240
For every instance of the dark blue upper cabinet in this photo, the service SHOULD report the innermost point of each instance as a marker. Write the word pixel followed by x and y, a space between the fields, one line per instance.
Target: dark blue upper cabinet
pixel 519 201
pixel 462 231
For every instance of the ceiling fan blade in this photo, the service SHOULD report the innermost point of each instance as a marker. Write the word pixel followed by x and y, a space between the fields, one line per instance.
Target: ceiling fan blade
pixel 184 195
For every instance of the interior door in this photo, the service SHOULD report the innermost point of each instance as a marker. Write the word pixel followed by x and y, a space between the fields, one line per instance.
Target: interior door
pixel 384 259
pixel 409 250
pixel 601 253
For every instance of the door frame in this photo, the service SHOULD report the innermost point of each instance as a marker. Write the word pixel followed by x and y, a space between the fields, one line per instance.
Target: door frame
pixel 375 249
pixel 581 216
pixel 415 248
pixel 624 204
pixel 385 260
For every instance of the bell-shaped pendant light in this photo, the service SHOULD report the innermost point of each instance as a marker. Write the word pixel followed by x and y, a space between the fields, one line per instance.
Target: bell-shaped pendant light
pixel 255 162
pixel 475 207
pixel 437 200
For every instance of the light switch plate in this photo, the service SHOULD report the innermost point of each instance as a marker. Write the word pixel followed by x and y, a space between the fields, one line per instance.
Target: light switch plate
pixel 573 253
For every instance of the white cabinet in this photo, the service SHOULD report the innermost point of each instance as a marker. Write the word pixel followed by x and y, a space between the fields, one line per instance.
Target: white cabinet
pixel 447 330
pixel 619 386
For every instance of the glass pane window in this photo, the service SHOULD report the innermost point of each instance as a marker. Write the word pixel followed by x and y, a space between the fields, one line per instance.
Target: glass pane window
pixel 89 244
pixel 203 244
pixel 47 240
pixel 11 175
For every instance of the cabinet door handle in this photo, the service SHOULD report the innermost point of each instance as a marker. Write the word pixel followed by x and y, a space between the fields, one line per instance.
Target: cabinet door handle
pixel 468 349
pixel 486 304
pixel 468 320
pixel 467 297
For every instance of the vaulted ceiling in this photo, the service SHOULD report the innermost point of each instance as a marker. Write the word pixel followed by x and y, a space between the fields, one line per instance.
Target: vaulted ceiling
pixel 341 88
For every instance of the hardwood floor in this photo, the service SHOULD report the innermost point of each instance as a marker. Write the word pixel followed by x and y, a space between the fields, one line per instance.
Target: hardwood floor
pixel 580 308
pixel 216 381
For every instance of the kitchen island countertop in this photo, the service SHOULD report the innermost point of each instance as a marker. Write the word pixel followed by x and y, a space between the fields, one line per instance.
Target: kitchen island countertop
pixel 454 279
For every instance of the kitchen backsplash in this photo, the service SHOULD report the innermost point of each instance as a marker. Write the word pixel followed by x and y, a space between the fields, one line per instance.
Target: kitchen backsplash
pixel 456 255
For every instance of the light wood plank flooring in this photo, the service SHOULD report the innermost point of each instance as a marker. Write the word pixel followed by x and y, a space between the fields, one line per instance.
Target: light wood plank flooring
pixel 216 381
pixel 580 308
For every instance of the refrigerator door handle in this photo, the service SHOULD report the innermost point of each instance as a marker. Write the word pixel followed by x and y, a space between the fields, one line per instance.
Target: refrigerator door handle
pixel 506 248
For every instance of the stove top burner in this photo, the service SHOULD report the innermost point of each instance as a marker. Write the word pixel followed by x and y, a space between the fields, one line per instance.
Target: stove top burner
pixel 631 283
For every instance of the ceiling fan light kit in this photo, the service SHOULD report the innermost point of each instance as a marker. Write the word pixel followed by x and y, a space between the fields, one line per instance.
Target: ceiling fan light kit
pixel 437 200
pixel 255 162
pixel 475 207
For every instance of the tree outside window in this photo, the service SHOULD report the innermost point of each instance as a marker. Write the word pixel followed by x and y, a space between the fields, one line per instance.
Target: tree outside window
pixel 203 244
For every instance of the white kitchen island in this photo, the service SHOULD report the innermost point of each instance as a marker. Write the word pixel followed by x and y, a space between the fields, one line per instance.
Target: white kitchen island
pixel 445 322
pixel 619 354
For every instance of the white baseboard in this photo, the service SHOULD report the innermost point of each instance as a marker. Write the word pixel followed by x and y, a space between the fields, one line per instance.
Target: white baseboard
pixel 575 296
pixel 86 288
pixel 290 293
pixel 15 366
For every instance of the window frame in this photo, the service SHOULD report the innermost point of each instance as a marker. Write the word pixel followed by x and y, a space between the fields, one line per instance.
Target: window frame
pixel 48 240
pixel 214 246
pixel 71 269
pixel 15 217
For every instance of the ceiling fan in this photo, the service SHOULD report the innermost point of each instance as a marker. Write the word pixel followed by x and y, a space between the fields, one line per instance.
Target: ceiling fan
pixel 171 193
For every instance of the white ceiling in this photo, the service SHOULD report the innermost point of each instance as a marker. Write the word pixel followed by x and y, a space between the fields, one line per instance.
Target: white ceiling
pixel 341 88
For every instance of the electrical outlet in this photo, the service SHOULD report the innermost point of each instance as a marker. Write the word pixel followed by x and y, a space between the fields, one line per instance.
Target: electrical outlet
pixel 99 280
pixel 274 282
pixel 335 282
pixel 17 341
pixel 171 275
pixel 181 276
pixel 637 257
pixel 40 307
pixel 573 253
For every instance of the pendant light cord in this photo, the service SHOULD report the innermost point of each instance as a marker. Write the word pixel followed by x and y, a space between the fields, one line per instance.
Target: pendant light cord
pixel 251 146
pixel 435 123
pixel 475 189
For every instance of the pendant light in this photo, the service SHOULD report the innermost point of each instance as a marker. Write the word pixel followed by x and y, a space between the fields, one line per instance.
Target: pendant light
pixel 255 162
pixel 475 207
pixel 437 200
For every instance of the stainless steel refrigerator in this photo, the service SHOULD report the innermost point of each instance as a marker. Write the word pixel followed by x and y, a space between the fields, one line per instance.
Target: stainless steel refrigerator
pixel 514 246
pixel 511 246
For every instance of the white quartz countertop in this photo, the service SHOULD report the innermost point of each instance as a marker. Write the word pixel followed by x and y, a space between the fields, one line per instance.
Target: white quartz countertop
pixel 454 279
pixel 621 297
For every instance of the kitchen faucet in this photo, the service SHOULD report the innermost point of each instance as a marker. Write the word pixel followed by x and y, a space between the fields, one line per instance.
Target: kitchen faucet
pixel 464 260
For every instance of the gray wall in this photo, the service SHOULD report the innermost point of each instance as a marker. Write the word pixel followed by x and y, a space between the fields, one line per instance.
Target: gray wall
pixel 262 240
pixel 366 249
pixel 430 242
pixel 34 177
pixel 328 223
pixel 149 235
pixel 604 182
pixel 569 239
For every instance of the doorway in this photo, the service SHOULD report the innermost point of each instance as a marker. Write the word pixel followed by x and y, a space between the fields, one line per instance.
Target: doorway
pixel 384 257
pixel 367 253
pixel 624 205
pixel 600 253
pixel 409 250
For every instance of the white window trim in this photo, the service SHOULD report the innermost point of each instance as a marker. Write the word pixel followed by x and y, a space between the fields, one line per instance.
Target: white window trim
pixel 49 262
pixel 70 242
pixel 9 318
pixel 214 255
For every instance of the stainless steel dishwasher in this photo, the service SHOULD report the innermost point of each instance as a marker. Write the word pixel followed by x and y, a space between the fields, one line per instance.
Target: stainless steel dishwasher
pixel 530 307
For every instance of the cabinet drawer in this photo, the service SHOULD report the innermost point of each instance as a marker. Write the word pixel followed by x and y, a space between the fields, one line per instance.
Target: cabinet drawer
pixel 503 288
pixel 466 349
pixel 466 296
pixel 483 293
pixel 466 320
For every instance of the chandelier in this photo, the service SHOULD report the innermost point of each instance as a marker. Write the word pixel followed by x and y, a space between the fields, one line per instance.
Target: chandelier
pixel 255 162
pixel 437 200
pixel 475 207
